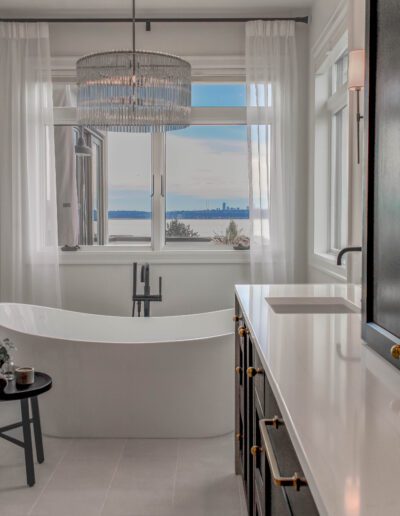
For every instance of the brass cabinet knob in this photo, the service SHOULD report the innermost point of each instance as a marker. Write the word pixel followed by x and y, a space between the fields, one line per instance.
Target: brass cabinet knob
pixel 252 371
pixel 238 436
pixel 237 318
pixel 242 330
pixel 254 450
pixel 395 351
pixel 238 369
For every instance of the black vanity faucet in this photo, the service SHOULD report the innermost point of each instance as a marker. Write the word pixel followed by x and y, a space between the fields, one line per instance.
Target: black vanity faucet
pixel 344 251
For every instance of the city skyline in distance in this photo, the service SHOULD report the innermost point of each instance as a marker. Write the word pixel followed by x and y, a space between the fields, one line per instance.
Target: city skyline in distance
pixel 223 212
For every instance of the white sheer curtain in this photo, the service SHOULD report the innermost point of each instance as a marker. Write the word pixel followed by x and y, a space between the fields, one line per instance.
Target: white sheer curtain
pixel 271 73
pixel 29 271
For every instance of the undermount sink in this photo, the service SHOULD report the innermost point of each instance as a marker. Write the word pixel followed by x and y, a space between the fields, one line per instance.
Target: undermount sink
pixel 311 305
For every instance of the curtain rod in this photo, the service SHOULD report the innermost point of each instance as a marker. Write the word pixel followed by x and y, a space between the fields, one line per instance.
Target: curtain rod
pixel 301 19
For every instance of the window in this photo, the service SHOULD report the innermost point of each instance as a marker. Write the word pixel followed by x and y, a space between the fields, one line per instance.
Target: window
pixel 339 179
pixel 207 191
pixel 188 188
pixel 331 167
pixel 339 118
pixel 339 72
pixel 129 188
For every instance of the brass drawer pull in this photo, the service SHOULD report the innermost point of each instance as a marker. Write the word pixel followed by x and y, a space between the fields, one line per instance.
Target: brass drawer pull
pixel 242 330
pixel 252 371
pixel 238 436
pixel 295 481
pixel 237 318
pixel 238 370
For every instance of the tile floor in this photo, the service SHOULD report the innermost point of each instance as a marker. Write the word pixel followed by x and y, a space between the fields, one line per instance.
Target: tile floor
pixel 117 477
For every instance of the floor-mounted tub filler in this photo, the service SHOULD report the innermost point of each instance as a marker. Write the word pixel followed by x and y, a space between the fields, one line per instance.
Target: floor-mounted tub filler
pixel 161 377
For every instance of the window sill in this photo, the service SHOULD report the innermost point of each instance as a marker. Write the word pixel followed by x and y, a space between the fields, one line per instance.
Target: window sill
pixel 326 263
pixel 125 255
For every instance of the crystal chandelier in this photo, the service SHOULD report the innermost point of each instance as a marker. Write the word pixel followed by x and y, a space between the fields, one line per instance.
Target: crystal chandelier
pixel 134 90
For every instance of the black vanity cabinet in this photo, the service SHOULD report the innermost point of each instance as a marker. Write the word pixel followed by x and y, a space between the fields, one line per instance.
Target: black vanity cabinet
pixel 381 242
pixel 273 480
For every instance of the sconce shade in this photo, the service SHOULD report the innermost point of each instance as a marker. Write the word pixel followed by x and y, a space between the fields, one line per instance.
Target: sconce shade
pixel 356 69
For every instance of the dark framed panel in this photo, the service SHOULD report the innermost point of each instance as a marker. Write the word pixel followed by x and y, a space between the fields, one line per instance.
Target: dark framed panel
pixel 381 239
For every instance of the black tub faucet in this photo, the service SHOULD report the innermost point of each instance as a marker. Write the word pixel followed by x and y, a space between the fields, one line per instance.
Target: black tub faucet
pixel 146 298
pixel 344 251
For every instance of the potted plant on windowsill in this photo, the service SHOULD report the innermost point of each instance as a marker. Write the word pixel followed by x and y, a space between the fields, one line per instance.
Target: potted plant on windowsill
pixel 233 236
pixel 241 243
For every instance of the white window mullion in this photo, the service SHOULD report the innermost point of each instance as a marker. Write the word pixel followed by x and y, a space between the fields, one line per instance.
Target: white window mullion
pixel 199 115
pixel 218 116
pixel 105 185
pixel 158 191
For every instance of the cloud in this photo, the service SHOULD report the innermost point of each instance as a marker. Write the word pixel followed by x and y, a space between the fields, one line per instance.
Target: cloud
pixel 129 161
pixel 211 169
pixel 207 168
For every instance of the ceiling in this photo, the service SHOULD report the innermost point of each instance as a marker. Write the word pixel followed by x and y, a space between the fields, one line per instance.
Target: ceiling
pixel 76 8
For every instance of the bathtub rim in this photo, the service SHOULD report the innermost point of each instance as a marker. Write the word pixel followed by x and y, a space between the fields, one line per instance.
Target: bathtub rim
pixel 165 340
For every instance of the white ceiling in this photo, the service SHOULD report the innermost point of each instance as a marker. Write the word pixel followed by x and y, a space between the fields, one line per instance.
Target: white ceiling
pixel 76 8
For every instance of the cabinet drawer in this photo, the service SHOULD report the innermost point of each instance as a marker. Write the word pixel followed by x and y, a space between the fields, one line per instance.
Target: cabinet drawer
pixel 270 405
pixel 256 375
pixel 260 467
pixel 299 502
pixel 259 382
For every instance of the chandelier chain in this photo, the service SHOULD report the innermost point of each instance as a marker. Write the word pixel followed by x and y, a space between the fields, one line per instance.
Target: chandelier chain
pixel 133 27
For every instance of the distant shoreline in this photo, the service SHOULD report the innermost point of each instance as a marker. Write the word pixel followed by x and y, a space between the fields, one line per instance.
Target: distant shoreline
pixel 181 218
pixel 182 215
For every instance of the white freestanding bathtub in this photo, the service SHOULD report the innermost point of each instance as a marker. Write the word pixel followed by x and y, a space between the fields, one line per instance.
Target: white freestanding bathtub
pixel 128 377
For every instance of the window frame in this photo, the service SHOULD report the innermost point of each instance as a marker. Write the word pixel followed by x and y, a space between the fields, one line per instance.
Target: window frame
pixel 337 202
pixel 199 116
pixel 329 101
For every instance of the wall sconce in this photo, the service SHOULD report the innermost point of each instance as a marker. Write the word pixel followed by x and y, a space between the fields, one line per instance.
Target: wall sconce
pixel 355 83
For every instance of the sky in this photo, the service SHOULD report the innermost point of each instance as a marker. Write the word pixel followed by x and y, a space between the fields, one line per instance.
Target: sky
pixel 206 165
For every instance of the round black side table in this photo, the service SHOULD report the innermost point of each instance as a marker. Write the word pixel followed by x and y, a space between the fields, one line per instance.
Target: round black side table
pixel 42 383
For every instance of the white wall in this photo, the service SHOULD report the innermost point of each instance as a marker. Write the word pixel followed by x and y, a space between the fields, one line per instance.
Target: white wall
pixel 187 39
pixel 303 33
pixel 188 288
pixel 322 11
pixel 356 41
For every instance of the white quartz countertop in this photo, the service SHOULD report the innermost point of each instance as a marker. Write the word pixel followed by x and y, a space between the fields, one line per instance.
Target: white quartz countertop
pixel 340 400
